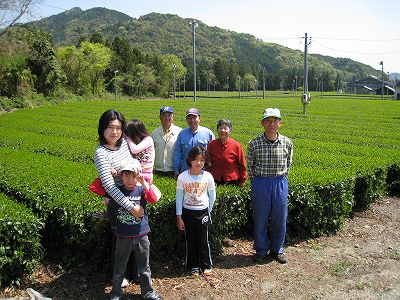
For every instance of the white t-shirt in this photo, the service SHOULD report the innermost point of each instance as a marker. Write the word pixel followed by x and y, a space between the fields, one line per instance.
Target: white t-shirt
pixel 195 189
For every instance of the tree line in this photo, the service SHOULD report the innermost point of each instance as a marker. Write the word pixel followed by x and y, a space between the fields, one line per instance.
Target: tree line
pixel 95 65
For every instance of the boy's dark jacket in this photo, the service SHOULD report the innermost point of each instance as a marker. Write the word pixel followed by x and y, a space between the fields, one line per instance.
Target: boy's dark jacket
pixel 126 224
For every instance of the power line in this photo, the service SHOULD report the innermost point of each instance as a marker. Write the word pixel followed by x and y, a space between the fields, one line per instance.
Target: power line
pixel 358 40
pixel 64 9
pixel 283 38
pixel 356 52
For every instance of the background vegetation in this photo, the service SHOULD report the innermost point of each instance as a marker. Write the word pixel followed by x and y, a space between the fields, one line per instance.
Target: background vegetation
pixel 346 156
pixel 79 53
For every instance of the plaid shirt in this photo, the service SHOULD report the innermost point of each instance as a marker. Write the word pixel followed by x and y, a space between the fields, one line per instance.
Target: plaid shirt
pixel 269 159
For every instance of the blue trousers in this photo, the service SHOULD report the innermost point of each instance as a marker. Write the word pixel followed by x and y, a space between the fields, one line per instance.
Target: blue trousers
pixel 270 201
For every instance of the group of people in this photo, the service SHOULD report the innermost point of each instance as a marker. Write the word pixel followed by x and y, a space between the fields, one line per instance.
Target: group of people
pixel 128 156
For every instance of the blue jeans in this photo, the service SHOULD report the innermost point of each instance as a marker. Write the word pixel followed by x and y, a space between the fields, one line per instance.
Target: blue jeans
pixel 270 201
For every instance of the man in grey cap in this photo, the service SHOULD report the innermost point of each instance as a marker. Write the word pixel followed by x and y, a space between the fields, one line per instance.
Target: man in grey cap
pixel 164 138
pixel 193 135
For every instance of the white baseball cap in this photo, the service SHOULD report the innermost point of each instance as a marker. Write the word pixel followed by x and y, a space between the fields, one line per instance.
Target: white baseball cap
pixel 271 112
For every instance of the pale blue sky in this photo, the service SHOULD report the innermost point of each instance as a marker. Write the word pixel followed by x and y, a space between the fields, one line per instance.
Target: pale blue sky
pixel 364 30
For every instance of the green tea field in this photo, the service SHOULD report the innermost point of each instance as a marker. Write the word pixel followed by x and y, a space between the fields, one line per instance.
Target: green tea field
pixel 346 155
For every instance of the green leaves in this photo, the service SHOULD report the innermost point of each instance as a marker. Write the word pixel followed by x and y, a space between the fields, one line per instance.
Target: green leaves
pixel 20 242
pixel 346 155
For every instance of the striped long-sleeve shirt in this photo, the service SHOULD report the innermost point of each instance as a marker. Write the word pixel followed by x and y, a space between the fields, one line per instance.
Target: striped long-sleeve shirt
pixel 269 159
pixel 104 160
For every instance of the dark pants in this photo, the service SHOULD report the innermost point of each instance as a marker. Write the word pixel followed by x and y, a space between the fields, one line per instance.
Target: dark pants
pixel 132 272
pixel 198 253
pixel 140 246
pixel 166 174
pixel 229 182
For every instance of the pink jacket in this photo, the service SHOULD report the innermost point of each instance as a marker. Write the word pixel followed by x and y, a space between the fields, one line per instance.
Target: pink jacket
pixel 144 152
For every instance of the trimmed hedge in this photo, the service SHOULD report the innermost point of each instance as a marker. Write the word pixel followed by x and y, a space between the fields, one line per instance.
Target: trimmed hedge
pixel 20 243
pixel 338 166
pixel 67 207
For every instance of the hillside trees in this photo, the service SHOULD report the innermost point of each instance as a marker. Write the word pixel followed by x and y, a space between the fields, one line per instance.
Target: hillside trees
pixel 165 79
pixel 15 77
pixel 42 63
pixel 84 67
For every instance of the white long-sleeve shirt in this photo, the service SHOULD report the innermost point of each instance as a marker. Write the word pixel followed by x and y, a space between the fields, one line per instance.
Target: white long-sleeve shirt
pixel 196 192
pixel 164 145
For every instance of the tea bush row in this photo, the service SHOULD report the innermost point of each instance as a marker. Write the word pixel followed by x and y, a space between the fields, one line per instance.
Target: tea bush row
pixel 20 241
pixel 344 160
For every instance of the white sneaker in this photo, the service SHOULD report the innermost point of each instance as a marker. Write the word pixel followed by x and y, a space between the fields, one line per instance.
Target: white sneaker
pixel 124 283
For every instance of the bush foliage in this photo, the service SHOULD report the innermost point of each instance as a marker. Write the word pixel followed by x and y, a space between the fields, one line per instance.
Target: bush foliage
pixel 343 161
pixel 20 242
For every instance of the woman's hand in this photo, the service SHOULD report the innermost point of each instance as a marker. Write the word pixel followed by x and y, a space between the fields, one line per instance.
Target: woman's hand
pixel 179 223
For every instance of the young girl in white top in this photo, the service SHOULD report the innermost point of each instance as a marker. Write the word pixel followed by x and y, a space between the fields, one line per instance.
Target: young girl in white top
pixel 195 196
pixel 142 147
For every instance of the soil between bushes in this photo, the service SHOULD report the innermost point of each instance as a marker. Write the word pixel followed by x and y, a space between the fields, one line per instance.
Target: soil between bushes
pixel 361 261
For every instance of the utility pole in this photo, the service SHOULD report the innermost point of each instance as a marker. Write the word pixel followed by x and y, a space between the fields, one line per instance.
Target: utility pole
pixel 174 82
pixel 263 68
pixel 194 24
pixel 381 63
pixel 238 77
pixel 184 85
pixel 115 83
pixel 306 96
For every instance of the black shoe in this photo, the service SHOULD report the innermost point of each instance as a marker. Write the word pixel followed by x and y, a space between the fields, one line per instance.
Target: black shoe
pixel 279 257
pixel 194 272
pixel 259 258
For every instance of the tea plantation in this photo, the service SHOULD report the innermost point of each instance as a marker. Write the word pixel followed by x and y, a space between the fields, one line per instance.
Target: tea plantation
pixel 346 155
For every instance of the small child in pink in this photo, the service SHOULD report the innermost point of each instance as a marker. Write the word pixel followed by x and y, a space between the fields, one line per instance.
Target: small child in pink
pixel 142 147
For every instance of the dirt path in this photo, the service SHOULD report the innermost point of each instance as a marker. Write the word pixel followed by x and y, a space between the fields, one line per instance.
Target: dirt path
pixel 362 261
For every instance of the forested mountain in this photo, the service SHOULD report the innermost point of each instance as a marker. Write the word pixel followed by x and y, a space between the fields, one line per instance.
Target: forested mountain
pixel 166 33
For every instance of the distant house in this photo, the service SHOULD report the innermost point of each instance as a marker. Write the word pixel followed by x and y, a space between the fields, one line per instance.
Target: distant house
pixel 370 85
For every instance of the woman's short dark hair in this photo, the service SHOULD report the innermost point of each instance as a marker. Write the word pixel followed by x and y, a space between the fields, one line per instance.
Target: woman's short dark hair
pixel 104 122
pixel 226 122
pixel 198 150
pixel 136 130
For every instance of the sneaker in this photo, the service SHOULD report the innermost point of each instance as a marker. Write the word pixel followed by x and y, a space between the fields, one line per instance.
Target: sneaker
pixel 279 257
pixel 124 283
pixel 154 297
pixel 259 258
pixel 194 272
pixel 207 271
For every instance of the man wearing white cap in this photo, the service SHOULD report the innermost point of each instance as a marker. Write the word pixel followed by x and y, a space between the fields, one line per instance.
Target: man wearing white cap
pixel 193 135
pixel 269 157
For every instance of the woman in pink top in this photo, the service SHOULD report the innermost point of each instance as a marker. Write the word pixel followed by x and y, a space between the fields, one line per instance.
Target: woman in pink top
pixel 142 147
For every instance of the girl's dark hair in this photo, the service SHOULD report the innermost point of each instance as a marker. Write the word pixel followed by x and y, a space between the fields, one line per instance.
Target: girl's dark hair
pixel 198 150
pixel 136 130
pixel 104 122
